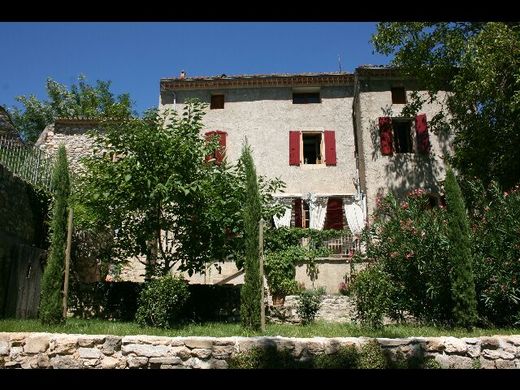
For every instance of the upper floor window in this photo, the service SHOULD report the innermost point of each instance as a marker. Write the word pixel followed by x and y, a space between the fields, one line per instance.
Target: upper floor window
pixel 306 97
pixel 312 147
pixel 398 95
pixel 217 102
pixel 402 135
pixel 397 136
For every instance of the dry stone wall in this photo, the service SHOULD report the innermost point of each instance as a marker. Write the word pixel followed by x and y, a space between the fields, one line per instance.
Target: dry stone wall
pixel 46 350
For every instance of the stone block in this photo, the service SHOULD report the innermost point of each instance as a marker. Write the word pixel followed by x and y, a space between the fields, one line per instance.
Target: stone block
pixel 90 341
pixel 110 362
pixel 173 360
pixel 455 346
pixel 37 344
pixel 497 354
pixel 198 342
pixel 111 345
pixel 201 353
pixel 146 350
pixel 222 351
pixel 4 347
pixel 89 353
pixel 137 362
pixel 505 363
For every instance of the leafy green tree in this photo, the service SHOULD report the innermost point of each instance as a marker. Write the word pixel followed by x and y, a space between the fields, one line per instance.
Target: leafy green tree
pixel 148 181
pixel 82 100
pixel 462 279
pixel 479 64
pixel 251 293
pixel 51 309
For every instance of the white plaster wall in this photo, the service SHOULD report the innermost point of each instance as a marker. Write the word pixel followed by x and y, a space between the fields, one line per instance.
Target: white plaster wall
pixel 266 115
pixel 400 172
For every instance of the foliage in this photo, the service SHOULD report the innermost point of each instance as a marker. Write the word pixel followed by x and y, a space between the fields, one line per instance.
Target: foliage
pixel 267 357
pixel 149 183
pixel 343 357
pixel 251 294
pixel 496 236
pixel 280 271
pixel 83 100
pixel 461 258
pixel 309 302
pixel 51 302
pixel 408 243
pixel 284 251
pixel 373 291
pixel 479 63
pixel 372 356
pixel 161 302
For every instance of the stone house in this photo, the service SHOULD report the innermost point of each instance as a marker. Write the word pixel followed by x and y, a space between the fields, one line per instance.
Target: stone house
pixel 338 141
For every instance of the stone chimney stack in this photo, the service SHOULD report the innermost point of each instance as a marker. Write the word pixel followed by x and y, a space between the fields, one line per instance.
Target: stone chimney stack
pixel 182 75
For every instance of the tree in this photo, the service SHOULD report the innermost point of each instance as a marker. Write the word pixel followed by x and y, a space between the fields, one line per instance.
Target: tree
pixel 479 64
pixel 83 100
pixel 462 279
pixel 150 183
pixel 251 293
pixel 51 309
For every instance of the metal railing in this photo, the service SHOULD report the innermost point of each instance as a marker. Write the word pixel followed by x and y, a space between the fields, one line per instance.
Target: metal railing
pixel 29 163
pixel 344 246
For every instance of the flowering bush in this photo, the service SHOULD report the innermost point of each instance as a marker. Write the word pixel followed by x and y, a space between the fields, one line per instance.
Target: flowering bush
pixel 343 288
pixel 408 243
pixel 496 232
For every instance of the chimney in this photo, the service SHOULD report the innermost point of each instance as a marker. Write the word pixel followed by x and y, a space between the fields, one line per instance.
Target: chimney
pixel 183 75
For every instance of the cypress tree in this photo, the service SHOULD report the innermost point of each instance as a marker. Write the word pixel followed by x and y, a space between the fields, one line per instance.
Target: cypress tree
pixel 251 293
pixel 460 256
pixel 51 310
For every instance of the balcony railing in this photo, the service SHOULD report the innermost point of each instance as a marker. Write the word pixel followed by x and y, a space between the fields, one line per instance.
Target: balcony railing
pixel 344 246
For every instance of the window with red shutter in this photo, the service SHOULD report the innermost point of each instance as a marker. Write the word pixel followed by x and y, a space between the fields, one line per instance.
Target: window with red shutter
pixel 334 217
pixel 385 133
pixel 294 147
pixel 421 131
pixel 330 147
pixel 219 153
pixel 297 205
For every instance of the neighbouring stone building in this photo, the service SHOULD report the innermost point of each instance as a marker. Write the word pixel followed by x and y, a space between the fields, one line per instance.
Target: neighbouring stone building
pixel 338 141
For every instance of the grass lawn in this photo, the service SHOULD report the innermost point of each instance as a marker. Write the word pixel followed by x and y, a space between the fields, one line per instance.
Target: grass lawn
pixel 322 329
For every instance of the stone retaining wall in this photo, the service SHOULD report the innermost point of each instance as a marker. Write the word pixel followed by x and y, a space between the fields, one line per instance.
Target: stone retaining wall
pixel 45 350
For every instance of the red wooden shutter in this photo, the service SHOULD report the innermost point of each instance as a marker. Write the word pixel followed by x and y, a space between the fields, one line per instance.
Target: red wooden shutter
pixel 221 151
pixel 294 147
pixel 421 130
pixel 298 213
pixel 385 133
pixel 207 136
pixel 334 217
pixel 330 147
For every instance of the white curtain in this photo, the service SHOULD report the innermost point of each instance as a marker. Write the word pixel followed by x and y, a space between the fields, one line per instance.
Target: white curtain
pixel 317 211
pixel 355 220
pixel 285 219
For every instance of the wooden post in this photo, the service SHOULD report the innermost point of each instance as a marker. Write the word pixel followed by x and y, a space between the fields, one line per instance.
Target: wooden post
pixel 261 254
pixel 67 263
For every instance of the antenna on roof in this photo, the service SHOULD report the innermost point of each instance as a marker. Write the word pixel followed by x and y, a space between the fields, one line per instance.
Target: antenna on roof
pixel 339 62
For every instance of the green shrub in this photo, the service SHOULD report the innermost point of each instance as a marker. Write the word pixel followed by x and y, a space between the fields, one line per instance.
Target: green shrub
pixel 460 255
pixel 251 293
pixel 373 292
pixel 161 302
pixel 408 242
pixel 280 271
pixel 266 357
pixel 496 236
pixel 309 302
pixel 344 357
pixel 51 302
pixel 372 356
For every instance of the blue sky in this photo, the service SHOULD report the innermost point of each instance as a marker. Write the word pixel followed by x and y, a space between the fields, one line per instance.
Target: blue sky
pixel 135 56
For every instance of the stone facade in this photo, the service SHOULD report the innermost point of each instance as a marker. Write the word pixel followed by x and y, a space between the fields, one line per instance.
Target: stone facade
pixel 399 172
pixel 46 350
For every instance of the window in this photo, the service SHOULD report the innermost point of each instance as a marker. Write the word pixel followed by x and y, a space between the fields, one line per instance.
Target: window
pixel 218 155
pixel 217 102
pixel 301 213
pixel 398 95
pixel 334 217
pixel 396 135
pixel 306 97
pixel 402 136
pixel 311 148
